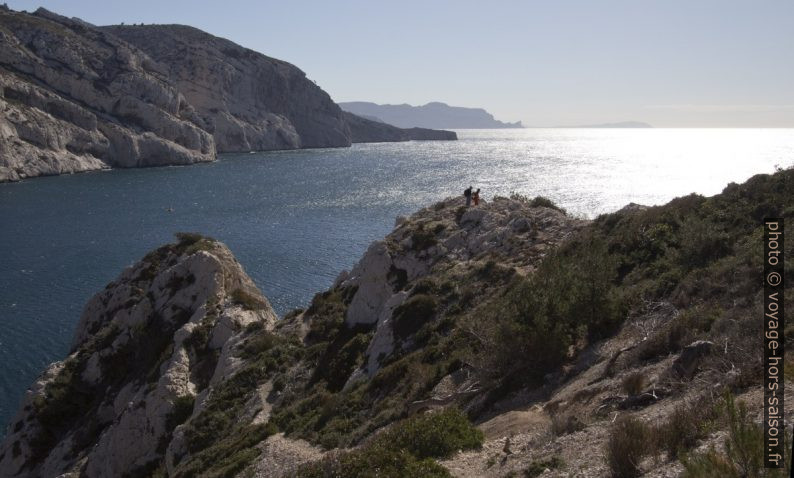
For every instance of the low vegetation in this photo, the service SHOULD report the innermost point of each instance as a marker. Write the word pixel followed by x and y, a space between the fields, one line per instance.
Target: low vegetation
pixel 190 242
pixel 742 454
pixel 247 301
pixel 407 448
pixel 228 455
pixel 630 440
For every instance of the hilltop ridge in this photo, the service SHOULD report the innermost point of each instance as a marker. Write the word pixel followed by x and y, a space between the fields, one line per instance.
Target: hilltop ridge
pixel 432 115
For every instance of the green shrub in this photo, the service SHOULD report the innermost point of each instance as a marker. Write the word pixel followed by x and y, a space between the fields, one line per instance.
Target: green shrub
pixel 630 440
pixel 702 242
pixel 744 449
pixel 220 414
pixel 423 238
pixel 183 408
pixel 412 314
pixel 341 364
pixel 436 435
pixel 405 449
pixel 327 316
pixel 633 383
pixel 247 301
pixel 540 201
pixel 684 427
pixel 188 238
pixel 537 467
pixel 228 456
pixel 259 343
pixel 370 462
pixel 529 330
pixel 191 242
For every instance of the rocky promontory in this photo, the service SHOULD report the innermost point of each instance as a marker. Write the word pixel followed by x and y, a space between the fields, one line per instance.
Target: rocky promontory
pixel 363 130
pixel 151 351
pixel 73 98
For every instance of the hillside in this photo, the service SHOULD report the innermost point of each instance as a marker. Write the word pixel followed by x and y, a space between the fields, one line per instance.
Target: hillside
pixel 432 115
pixel 73 99
pixel 507 339
pixel 247 100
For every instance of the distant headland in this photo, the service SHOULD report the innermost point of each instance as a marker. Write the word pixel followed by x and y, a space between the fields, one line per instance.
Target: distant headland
pixel 432 115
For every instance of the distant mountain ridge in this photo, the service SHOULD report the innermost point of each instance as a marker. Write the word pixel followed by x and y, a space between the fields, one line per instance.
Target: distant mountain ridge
pixel 431 115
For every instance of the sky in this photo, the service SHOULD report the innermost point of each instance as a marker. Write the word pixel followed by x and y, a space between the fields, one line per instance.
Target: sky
pixel 670 63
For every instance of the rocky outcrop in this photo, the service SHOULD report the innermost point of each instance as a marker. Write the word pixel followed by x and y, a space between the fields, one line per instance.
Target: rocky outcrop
pixel 431 115
pixel 247 100
pixel 364 130
pixel 148 354
pixel 685 366
pixel 74 98
pixel 432 241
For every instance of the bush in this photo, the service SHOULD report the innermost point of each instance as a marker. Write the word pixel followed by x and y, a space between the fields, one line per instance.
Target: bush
pixel 370 462
pixel 536 468
pixel 633 383
pixel 406 449
pixel 412 314
pixel 259 343
pixel 227 457
pixel 528 331
pixel 565 423
pixel 630 440
pixel 744 449
pixel 247 301
pixel 191 242
pixel 436 435
pixel 422 238
pixel 688 423
pixel 183 408
pixel 541 201
pixel 702 242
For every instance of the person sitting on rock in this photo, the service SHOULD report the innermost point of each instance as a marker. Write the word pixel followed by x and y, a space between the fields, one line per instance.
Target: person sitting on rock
pixel 467 195
pixel 476 197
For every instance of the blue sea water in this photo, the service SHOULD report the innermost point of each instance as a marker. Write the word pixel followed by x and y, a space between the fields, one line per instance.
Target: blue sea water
pixel 296 219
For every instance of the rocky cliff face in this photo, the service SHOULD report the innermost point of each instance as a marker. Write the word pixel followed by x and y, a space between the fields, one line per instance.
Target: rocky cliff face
pixel 364 130
pixel 248 100
pixel 149 353
pixel 74 98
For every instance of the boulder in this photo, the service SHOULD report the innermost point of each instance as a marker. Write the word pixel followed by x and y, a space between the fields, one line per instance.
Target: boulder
pixel 685 366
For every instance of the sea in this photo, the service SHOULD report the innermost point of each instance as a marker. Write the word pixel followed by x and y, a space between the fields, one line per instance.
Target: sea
pixel 295 219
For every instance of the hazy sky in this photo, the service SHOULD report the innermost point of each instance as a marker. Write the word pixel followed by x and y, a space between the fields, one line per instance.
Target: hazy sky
pixel 549 62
